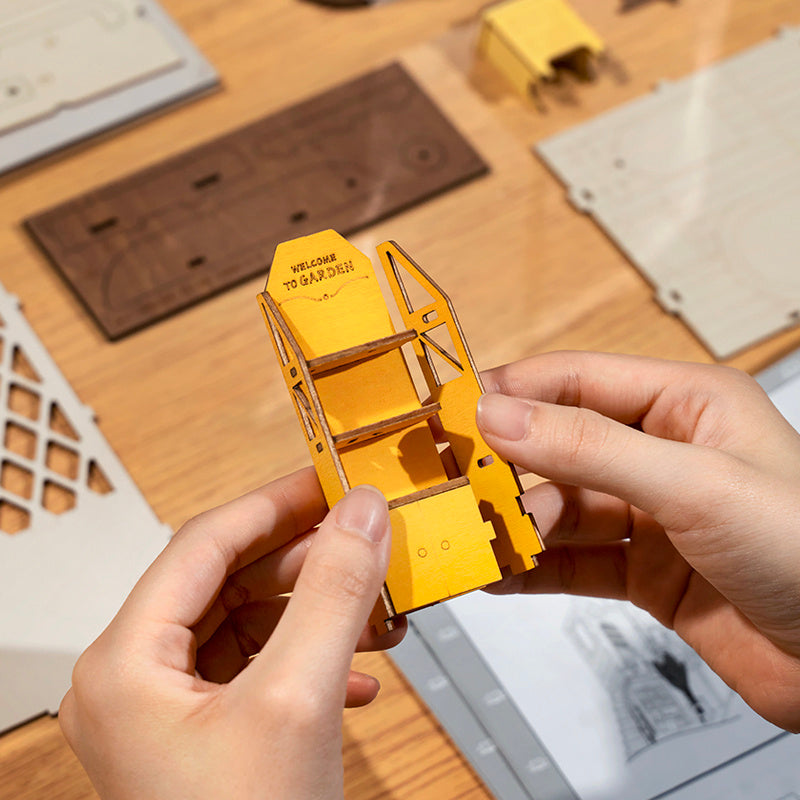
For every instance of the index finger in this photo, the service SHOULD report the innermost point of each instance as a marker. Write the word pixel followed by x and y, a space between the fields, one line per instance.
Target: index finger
pixel 181 584
pixel 625 388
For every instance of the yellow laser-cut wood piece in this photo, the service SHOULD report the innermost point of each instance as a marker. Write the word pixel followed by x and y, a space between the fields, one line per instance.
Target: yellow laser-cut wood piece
pixel 457 523
pixel 522 39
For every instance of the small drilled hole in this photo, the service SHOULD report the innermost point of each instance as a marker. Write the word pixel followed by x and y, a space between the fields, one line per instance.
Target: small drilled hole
pixel 794 315
pixel 12 91
pixel 208 180
pixel 485 461
pixel 298 216
pixel 197 261
pixel 103 225
pixel 293 372
pixel 351 183
pixel 676 296
pixel 320 448
pixel 587 195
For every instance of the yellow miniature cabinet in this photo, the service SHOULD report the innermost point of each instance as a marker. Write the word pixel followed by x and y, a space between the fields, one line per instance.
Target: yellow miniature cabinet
pixel 457 523
pixel 523 39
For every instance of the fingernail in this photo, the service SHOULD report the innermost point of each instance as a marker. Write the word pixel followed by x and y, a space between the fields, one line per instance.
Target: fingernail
pixel 505 417
pixel 363 510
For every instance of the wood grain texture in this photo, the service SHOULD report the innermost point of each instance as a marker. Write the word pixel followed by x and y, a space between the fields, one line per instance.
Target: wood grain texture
pixel 196 406
pixel 153 243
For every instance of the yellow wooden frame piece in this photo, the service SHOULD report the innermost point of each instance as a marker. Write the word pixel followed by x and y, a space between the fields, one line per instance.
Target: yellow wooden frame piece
pixel 457 522
pixel 522 39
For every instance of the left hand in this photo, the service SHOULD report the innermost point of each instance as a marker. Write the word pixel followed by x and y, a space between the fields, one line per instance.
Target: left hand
pixel 167 704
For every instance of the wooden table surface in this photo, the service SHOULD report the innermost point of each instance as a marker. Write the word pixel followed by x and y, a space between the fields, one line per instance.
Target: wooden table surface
pixel 195 406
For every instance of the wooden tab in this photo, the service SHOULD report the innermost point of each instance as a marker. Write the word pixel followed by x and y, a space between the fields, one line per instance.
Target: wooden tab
pixel 440 488
pixel 158 241
pixel 361 352
pixel 385 426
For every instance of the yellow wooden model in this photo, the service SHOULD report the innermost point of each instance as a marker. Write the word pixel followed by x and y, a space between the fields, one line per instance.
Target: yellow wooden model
pixel 457 523
pixel 522 38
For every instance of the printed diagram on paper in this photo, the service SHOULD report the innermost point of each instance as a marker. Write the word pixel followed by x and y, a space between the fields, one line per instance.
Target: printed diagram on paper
pixel 75 533
pixel 71 68
pixel 697 184
pixel 658 686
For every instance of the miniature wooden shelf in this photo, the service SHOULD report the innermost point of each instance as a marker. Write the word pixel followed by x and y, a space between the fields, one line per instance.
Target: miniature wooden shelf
pixel 361 352
pixel 363 434
pixel 439 488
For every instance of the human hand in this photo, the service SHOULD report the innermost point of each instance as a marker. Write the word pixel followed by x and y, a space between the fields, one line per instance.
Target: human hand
pixel 673 485
pixel 161 705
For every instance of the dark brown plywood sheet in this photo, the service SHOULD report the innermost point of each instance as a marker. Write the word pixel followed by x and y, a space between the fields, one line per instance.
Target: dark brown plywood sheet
pixel 146 246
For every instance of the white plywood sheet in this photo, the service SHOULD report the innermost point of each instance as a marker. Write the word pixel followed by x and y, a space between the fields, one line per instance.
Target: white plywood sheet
pixel 71 68
pixel 698 184
pixel 75 533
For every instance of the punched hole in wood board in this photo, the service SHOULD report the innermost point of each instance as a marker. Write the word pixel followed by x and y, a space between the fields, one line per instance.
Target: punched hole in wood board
pixel 57 499
pixel 16 480
pixel 103 225
pixel 62 460
pixel 97 480
pixel 207 180
pixel 19 440
pixel 298 216
pixel 197 261
pixel 13 518
pixel 24 402
pixel 22 365
pixel 60 424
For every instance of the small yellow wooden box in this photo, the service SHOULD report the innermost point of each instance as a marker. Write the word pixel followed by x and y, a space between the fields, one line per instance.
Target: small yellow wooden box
pixel 522 39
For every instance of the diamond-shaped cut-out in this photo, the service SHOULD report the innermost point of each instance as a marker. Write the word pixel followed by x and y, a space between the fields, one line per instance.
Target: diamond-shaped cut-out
pixel 62 460
pixel 22 366
pixel 57 498
pixel 16 480
pixel 61 424
pixel 19 440
pixel 24 402
pixel 13 518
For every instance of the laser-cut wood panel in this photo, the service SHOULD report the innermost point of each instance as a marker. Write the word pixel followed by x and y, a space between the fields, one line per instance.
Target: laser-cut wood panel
pixel 158 241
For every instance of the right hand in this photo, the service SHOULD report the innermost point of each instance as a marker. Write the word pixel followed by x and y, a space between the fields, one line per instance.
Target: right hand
pixel 673 485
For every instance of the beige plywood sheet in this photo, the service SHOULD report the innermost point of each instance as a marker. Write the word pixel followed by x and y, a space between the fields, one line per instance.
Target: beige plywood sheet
pixel 697 184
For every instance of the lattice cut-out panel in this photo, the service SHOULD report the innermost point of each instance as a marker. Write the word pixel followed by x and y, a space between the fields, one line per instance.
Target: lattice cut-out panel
pixel 75 533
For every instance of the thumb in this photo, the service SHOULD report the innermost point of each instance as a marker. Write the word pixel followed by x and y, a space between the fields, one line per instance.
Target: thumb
pixel 580 447
pixel 335 592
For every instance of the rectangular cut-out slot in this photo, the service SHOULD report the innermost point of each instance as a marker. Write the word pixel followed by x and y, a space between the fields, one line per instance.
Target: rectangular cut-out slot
pixel 363 434
pixel 208 180
pixel 354 355
pixel 104 225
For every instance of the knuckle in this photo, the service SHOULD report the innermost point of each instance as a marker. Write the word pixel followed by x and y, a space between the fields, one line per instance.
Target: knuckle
pixel 297 705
